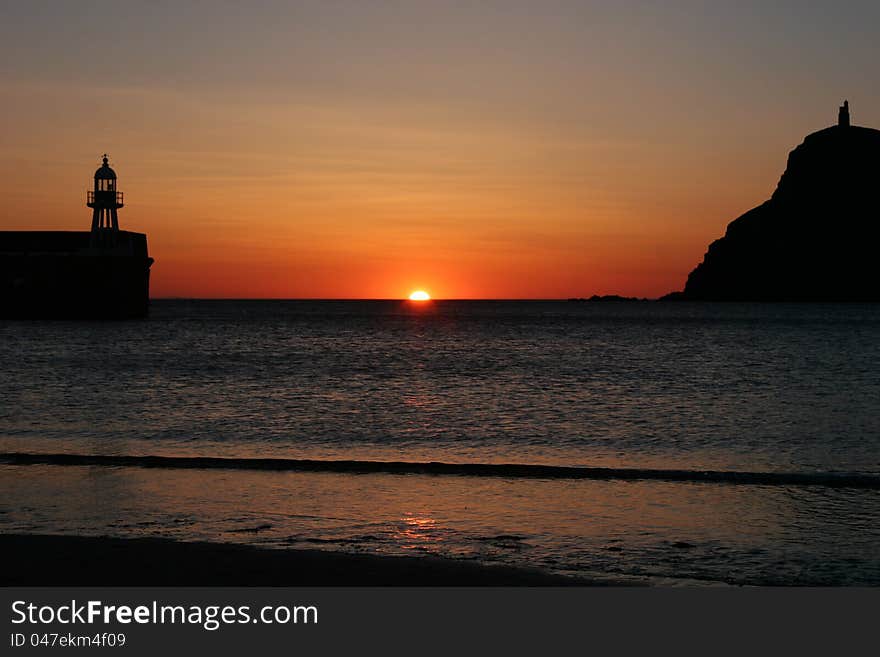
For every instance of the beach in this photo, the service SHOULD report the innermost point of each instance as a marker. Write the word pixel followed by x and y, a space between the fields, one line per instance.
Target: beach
pixel 44 560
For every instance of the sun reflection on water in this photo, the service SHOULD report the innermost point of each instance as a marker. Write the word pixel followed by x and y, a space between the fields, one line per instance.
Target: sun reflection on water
pixel 418 532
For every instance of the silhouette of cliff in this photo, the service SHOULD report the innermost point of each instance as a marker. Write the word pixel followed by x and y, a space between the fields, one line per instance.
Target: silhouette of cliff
pixel 815 239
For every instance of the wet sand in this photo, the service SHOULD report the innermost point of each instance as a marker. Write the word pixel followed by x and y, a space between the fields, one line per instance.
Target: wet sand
pixel 51 560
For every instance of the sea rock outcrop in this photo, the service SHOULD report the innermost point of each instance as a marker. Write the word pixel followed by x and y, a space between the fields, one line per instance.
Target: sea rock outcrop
pixel 815 239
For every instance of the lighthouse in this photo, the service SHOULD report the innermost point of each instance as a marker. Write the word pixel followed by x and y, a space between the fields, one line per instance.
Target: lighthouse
pixel 105 200
pixel 103 273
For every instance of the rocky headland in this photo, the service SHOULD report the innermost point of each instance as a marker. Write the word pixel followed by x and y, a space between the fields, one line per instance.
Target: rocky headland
pixel 815 239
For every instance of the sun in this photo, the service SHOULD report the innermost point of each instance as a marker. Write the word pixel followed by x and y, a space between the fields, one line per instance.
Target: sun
pixel 419 295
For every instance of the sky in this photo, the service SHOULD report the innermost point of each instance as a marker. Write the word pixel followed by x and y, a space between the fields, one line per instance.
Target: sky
pixel 496 149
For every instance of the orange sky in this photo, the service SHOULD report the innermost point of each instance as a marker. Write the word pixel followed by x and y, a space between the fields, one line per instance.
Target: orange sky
pixel 362 153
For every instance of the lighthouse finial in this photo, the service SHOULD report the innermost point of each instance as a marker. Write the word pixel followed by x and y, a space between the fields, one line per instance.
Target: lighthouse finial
pixel 105 159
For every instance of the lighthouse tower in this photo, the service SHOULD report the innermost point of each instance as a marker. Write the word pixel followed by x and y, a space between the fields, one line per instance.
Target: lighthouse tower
pixel 106 200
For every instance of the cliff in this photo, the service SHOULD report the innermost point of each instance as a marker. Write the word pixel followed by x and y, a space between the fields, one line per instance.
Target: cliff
pixel 815 239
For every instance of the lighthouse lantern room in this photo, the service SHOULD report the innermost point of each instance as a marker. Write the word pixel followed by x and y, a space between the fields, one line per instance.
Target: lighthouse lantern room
pixel 105 200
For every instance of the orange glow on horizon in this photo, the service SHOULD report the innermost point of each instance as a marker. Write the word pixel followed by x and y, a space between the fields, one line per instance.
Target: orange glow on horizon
pixel 419 295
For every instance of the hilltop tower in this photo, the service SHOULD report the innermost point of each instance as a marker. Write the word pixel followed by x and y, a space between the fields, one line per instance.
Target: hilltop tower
pixel 843 115
pixel 105 200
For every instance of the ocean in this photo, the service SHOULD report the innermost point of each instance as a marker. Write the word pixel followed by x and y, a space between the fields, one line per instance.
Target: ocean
pixel 648 396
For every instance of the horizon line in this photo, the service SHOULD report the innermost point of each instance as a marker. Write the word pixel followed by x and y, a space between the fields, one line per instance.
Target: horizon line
pixel 184 298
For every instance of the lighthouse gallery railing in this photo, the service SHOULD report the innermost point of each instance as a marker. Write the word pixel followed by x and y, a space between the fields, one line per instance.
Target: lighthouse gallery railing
pixel 91 197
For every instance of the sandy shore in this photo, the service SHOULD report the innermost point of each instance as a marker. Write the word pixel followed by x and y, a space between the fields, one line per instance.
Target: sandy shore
pixel 48 560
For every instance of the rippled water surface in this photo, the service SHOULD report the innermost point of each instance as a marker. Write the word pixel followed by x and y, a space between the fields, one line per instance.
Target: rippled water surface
pixel 782 388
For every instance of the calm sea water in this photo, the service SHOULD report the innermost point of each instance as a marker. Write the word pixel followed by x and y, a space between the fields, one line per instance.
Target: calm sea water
pixel 769 388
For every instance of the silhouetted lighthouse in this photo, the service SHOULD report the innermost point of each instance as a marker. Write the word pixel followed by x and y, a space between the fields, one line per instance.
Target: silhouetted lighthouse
pixel 103 273
pixel 106 200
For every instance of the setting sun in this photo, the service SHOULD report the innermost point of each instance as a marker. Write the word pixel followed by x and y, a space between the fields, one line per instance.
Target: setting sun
pixel 419 295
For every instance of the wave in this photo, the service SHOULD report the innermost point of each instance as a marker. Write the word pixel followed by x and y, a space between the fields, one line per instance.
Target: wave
pixel 508 470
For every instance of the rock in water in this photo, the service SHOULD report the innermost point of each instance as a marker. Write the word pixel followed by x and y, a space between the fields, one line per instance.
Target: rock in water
pixel 815 239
